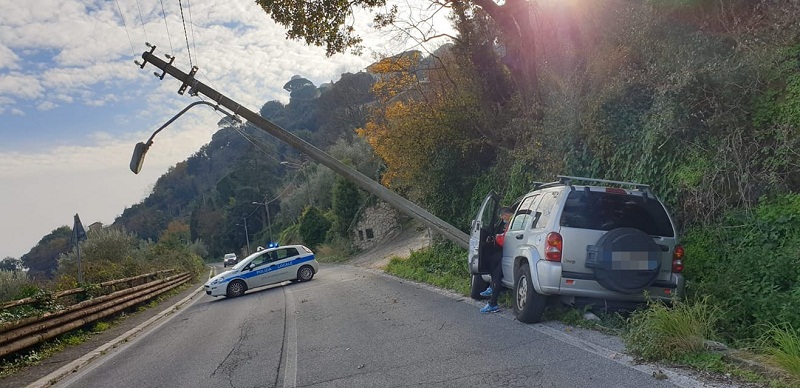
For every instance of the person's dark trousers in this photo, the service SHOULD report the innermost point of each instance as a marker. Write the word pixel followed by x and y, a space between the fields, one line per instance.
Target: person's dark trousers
pixel 497 275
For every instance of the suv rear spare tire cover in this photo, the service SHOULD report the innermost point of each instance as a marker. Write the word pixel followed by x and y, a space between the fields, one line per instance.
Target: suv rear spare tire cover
pixel 625 260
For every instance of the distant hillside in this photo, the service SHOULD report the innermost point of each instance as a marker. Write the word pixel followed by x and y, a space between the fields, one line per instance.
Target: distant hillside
pixel 214 189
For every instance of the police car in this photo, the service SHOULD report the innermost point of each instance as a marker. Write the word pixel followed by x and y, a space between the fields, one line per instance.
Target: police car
pixel 268 266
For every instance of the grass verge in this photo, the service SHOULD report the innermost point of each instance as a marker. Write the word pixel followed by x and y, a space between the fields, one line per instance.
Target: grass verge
pixel 663 333
pixel 781 345
pixel 442 265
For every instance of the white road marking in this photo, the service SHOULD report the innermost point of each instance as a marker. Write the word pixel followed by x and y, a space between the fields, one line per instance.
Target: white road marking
pixel 290 344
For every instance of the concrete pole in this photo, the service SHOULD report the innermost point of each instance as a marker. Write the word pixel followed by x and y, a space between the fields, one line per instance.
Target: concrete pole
pixel 398 202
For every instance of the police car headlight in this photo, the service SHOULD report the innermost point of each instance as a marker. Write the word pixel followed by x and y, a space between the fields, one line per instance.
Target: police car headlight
pixel 216 281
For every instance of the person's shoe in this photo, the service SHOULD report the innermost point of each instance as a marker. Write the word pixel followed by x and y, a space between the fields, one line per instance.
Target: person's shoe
pixel 489 309
pixel 487 292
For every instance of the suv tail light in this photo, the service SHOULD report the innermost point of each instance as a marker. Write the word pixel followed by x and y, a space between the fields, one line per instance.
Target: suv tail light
pixel 553 246
pixel 677 259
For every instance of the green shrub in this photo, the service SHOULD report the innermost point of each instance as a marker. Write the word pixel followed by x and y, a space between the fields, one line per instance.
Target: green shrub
pixel 748 266
pixel 105 255
pixel 290 235
pixel 669 333
pixel 345 202
pixel 442 265
pixel 14 285
pixel 313 226
pixel 338 250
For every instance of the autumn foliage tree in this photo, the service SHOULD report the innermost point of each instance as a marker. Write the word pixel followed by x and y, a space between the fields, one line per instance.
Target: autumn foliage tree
pixel 429 130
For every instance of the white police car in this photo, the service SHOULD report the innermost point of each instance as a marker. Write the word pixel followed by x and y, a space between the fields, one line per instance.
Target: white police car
pixel 268 266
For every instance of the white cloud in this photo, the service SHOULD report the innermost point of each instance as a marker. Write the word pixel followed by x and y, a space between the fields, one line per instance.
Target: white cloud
pixel 20 85
pixel 8 59
pixel 46 105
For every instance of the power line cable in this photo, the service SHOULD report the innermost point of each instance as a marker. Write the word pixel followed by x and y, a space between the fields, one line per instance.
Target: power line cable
pixel 185 34
pixel 191 26
pixel 250 139
pixel 141 18
pixel 167 27
pixel 133 50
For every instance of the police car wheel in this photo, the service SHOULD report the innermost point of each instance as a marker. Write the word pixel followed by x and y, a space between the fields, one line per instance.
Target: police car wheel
pixel 236 288
pixel 305 273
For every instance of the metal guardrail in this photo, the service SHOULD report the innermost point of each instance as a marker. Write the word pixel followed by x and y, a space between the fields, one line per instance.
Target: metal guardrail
pixel 26 332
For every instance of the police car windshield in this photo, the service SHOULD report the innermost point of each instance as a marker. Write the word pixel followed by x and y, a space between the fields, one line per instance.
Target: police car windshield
pixel 246 260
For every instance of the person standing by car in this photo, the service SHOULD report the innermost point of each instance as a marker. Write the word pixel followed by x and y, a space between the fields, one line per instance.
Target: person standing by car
pixel 495 261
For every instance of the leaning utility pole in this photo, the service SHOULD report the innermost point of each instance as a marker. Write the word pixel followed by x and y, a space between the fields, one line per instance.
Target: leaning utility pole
pixel 196 87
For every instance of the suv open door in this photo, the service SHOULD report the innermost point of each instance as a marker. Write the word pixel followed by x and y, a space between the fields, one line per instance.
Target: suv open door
pixel 481 229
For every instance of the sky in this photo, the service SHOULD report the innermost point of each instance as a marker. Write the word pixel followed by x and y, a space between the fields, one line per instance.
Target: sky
pixel 73 104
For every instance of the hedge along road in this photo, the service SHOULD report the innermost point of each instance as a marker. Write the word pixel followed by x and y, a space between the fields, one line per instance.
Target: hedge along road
pixel 353 327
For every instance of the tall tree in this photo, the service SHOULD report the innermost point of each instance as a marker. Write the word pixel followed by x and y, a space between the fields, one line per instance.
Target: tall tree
pixel 327 23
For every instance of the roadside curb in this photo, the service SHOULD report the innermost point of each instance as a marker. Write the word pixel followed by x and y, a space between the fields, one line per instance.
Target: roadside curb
pixel 88 358
pixel 752 363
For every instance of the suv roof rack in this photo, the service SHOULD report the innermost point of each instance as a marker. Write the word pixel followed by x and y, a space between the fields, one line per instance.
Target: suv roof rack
pixel 567 180
pixel 542 185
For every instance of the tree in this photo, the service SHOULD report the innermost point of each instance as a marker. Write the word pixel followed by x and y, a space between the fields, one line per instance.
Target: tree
pixel 433 136
pixel 313 226
pixel 10 264
pixel 42 260
pixel 326 23
pixel 345 202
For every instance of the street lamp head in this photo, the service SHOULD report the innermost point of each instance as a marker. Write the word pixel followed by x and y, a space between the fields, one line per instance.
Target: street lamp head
pixel 141 148
pixel 137 159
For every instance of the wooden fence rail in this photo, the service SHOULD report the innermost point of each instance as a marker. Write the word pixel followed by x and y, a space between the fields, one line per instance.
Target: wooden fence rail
pixel 104 285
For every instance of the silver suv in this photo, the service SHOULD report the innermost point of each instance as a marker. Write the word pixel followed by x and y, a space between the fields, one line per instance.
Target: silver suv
pixel 611 243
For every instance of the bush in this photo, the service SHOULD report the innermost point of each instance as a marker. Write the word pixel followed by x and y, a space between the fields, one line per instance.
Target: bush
pixel 14 285
pixel 107 254
pixel 338 250
pixel 313 226
pixel 442 265
pixel 747 265
pixel 344 204
pixel 290 235
pixel 664 333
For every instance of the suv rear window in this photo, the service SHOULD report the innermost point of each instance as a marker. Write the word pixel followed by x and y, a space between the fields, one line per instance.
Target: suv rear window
pixel 605 211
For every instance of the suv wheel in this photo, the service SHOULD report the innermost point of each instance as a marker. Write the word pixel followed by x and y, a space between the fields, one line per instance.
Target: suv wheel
pixel 476 286
pixel 528 304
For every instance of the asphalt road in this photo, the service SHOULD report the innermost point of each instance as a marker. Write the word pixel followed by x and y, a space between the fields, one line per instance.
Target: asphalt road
pixel 352 327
